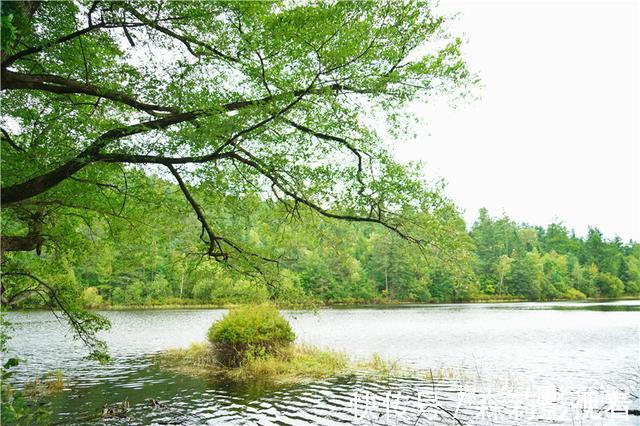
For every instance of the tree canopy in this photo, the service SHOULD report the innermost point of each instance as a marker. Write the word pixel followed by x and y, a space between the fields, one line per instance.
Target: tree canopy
pixel 243 101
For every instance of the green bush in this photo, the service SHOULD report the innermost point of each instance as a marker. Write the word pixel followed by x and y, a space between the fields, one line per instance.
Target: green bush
pixel 91 298
pixel 247 332
pixel 573 294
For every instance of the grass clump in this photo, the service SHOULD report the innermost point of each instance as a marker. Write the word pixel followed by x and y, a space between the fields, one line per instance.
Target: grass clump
pixel 296 363
pixel 198 359
pixel 50 384
pixel 250 333
pixel 380 366
pixel 254 343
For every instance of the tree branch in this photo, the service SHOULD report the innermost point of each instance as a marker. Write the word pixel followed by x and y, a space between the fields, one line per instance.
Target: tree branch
pixel 215 249
pixel 273 176
pixel 7 138
pixel 55 84
pixel 340 140
pixel 32 241
pixel 84 324
pixel 39 184
pixel 11 59
pixel 184 39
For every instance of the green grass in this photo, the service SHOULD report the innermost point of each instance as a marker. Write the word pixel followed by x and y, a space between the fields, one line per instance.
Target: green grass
pixel 297 363
pixel 376 366
pixel 294 364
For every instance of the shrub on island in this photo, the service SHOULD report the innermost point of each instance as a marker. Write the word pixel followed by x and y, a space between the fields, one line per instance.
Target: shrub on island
pixel 250 332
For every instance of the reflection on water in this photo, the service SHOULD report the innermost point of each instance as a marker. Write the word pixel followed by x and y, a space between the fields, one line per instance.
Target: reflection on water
pixel 602 307
pixel 576 346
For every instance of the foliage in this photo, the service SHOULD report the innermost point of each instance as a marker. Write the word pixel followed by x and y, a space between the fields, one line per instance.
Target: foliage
pixel 608 284
pixel 552 263
pixel 15 409
pixel 248 332
pixel 573 294
pixel 336 262
pixel 5 329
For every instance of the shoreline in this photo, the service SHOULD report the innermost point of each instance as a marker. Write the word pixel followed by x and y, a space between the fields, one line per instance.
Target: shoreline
pixel 338 305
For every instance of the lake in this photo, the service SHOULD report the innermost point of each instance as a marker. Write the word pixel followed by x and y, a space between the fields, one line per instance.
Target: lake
pixel 507 363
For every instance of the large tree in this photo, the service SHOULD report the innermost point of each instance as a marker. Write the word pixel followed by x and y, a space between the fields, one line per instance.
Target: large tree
pixel 285 100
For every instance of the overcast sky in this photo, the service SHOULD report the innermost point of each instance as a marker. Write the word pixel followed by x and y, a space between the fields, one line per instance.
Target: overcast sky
pixel 556 134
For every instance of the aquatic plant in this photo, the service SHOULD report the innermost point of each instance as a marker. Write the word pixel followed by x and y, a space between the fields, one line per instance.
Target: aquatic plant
pixel 379 366
pixel 51 383
pixel 120 409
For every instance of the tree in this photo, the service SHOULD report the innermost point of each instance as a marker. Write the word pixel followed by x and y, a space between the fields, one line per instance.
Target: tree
pixel 609 285
pixel 527 276
pixel 585 280
pixel 607 255
pixel 264 98
pixel 484 236
pixel 503 268
pixel 389 264
pixel 158 289
pixel 556 272
pixel 631 274
pixel 556 237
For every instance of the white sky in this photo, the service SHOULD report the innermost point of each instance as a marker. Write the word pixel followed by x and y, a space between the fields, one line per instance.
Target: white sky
pixel 555 135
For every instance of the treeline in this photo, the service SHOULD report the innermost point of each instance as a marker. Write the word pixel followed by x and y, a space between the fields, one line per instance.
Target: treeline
pixel 160 261
pixel 550 263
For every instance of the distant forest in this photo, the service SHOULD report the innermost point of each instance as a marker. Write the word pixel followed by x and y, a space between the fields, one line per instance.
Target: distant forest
pixel 139 261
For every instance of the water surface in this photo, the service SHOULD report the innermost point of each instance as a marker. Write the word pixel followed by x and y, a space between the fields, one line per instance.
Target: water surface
pixel 481 354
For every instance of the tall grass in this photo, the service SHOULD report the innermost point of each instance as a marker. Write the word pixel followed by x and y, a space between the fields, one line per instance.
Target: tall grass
pixel 50 384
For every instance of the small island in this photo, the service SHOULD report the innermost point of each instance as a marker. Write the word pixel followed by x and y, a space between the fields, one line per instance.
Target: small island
pixel 256 343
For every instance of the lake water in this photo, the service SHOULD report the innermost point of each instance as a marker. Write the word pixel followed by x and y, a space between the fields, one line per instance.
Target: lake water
pixel 514 363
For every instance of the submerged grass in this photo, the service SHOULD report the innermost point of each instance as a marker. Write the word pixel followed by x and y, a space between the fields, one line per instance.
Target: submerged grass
pixel 294 364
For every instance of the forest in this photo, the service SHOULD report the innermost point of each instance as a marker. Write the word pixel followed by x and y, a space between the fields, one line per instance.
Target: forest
pixel 156 262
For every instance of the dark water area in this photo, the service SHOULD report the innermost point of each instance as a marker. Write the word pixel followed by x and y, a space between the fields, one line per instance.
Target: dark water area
pixel 506 363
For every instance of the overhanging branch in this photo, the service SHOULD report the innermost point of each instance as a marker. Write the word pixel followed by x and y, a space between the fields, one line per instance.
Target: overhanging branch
pixel 252 162
pixel 215 248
